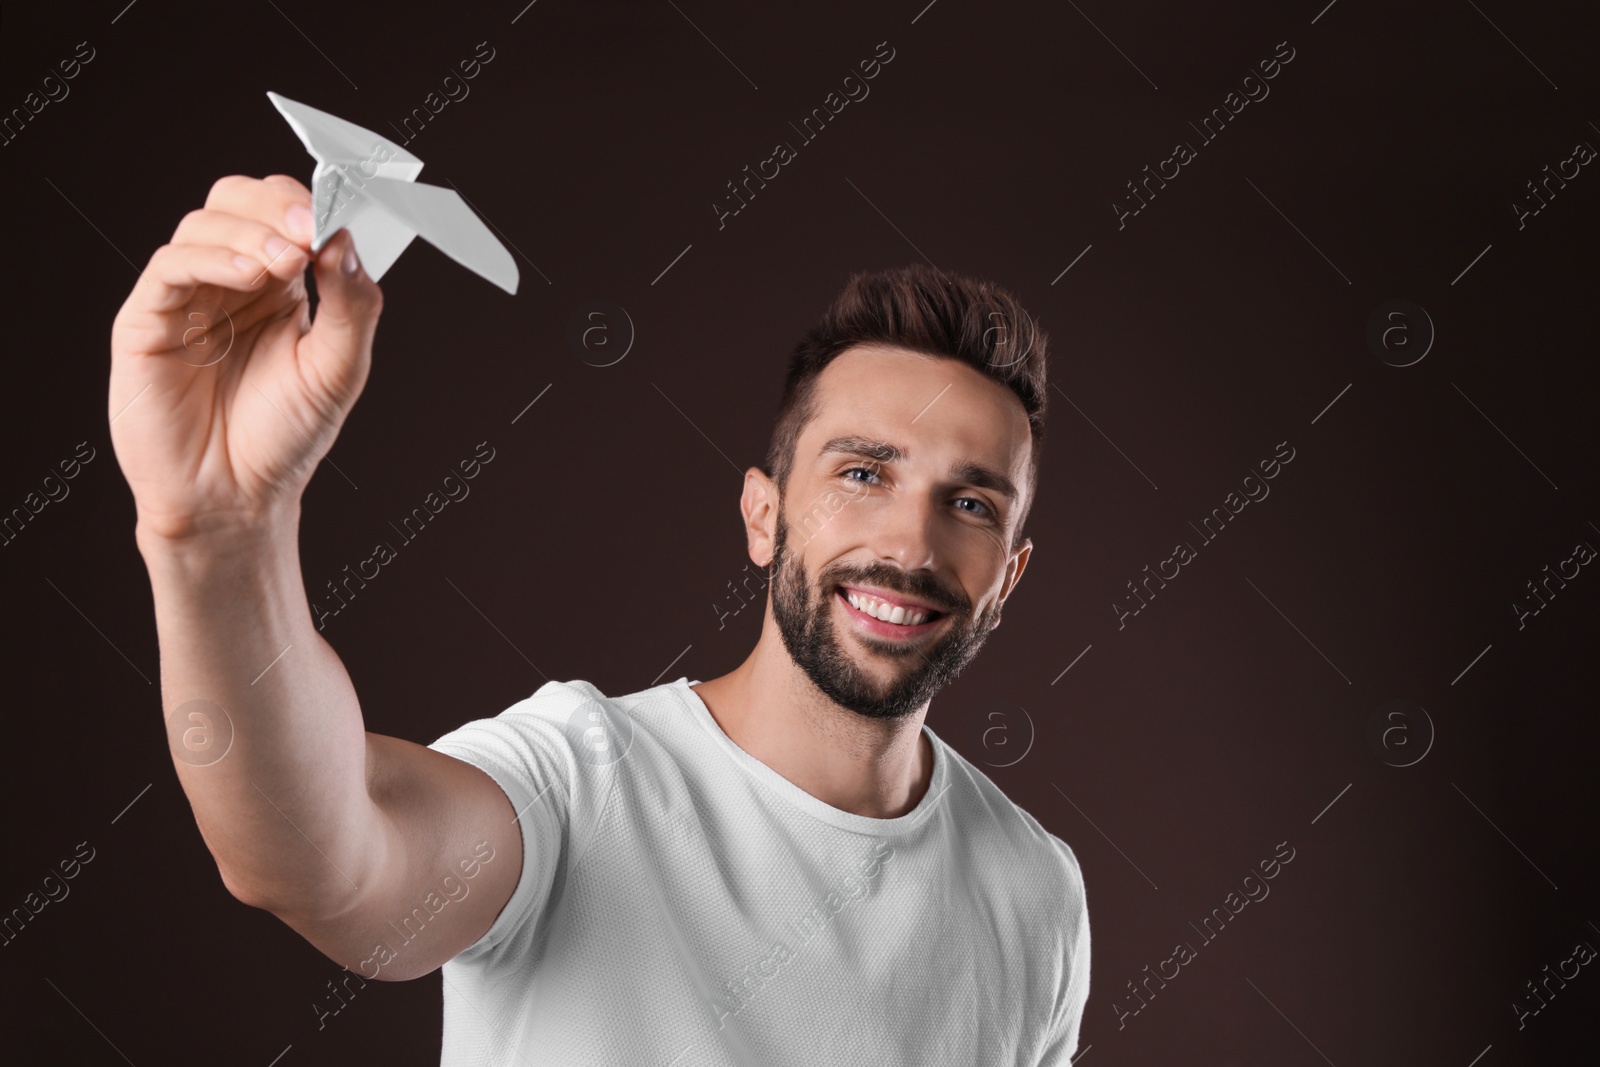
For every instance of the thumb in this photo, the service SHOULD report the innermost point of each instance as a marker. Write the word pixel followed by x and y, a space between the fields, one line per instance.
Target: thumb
pixel 348 305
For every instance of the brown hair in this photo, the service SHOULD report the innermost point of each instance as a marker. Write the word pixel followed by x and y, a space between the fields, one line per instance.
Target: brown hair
pixel 929 311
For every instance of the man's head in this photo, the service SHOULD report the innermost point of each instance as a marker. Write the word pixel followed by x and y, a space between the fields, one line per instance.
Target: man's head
pixel 901 468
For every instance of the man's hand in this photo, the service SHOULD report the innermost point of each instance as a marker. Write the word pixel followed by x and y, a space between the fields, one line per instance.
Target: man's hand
pixel 224 393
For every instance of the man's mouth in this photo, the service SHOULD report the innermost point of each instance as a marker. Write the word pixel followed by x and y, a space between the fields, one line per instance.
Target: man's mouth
pixel 881 616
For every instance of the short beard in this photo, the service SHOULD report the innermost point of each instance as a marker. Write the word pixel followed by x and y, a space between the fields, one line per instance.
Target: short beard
pixel 808 633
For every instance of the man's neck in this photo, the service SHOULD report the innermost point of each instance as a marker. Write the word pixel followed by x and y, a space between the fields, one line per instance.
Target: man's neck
pixel 768 707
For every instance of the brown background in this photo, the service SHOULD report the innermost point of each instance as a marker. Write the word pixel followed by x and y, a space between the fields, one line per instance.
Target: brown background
pixel 1175 753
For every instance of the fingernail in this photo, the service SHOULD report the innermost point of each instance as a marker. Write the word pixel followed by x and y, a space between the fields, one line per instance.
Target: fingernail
pixel 351 263
pixel 299 223
pixel 276 246
pixel 246 263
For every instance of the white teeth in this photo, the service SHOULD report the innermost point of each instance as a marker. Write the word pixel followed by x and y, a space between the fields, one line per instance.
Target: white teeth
pixel 879 610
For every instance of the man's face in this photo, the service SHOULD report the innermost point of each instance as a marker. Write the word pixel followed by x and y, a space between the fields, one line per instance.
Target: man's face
pixel 897 506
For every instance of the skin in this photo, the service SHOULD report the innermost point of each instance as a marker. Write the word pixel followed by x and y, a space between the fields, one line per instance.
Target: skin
pixel 341 832
pixel 905 526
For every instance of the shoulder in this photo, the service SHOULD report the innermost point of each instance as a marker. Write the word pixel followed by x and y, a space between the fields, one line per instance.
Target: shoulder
pixel 555 701
pixel 1039 856
pixel 557 713
pixel 556 754
pixel 1044 880
pixel 1029 865
pixel 560 743
pixel 567 732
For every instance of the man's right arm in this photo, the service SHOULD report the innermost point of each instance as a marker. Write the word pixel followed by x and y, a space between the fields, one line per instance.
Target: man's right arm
pixel 341 833
pixel 337 831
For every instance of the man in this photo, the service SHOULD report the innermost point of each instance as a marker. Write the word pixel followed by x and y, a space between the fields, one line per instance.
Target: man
pixel 782 865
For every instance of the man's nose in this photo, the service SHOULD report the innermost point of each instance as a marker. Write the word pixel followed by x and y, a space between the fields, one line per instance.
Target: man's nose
pixel 905 533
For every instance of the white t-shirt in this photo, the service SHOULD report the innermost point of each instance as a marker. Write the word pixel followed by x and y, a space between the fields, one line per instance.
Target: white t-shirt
pixel 681 904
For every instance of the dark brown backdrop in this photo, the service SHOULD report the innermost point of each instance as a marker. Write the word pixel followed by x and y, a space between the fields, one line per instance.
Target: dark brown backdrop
pixel 1231 314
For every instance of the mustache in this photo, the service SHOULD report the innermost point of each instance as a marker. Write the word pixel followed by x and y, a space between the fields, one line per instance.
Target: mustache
pixel 922 586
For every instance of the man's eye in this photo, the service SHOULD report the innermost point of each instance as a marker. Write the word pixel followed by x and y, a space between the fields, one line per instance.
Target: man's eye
pixel 852 470
pixel 984 509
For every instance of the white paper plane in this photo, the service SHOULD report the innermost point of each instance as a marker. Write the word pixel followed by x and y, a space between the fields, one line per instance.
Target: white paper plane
pixel 367 184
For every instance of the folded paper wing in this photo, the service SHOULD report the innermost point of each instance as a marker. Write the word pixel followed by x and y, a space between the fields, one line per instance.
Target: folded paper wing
pixel 366 184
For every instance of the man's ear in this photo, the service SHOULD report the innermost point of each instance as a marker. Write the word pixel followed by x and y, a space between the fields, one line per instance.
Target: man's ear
pixel 759 503
pixel 1015 565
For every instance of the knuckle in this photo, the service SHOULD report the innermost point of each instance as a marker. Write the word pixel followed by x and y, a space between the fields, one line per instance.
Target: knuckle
pixel 192 220
pixel 289 182
pixel 224 185
pixel 287 190
pixel 158 268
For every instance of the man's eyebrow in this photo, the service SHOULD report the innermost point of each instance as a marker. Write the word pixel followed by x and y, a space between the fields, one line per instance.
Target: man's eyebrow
pixel 969 473
pixel 851 445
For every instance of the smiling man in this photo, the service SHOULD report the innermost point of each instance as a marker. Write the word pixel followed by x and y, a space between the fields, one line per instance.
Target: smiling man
pixel 782 865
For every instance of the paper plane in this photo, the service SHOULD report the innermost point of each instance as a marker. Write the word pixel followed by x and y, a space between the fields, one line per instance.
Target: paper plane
pixel 367 184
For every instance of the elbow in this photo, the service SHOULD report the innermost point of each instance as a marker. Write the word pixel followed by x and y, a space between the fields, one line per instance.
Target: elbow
pixel 246 892
pixel 293 905
pixel 320 923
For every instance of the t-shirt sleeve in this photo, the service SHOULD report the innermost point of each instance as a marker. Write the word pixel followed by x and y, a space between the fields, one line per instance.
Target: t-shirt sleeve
pixel 1062 1044
pixel 534 752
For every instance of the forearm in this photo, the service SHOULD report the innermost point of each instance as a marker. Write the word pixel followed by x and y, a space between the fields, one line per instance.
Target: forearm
pixel 283 805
